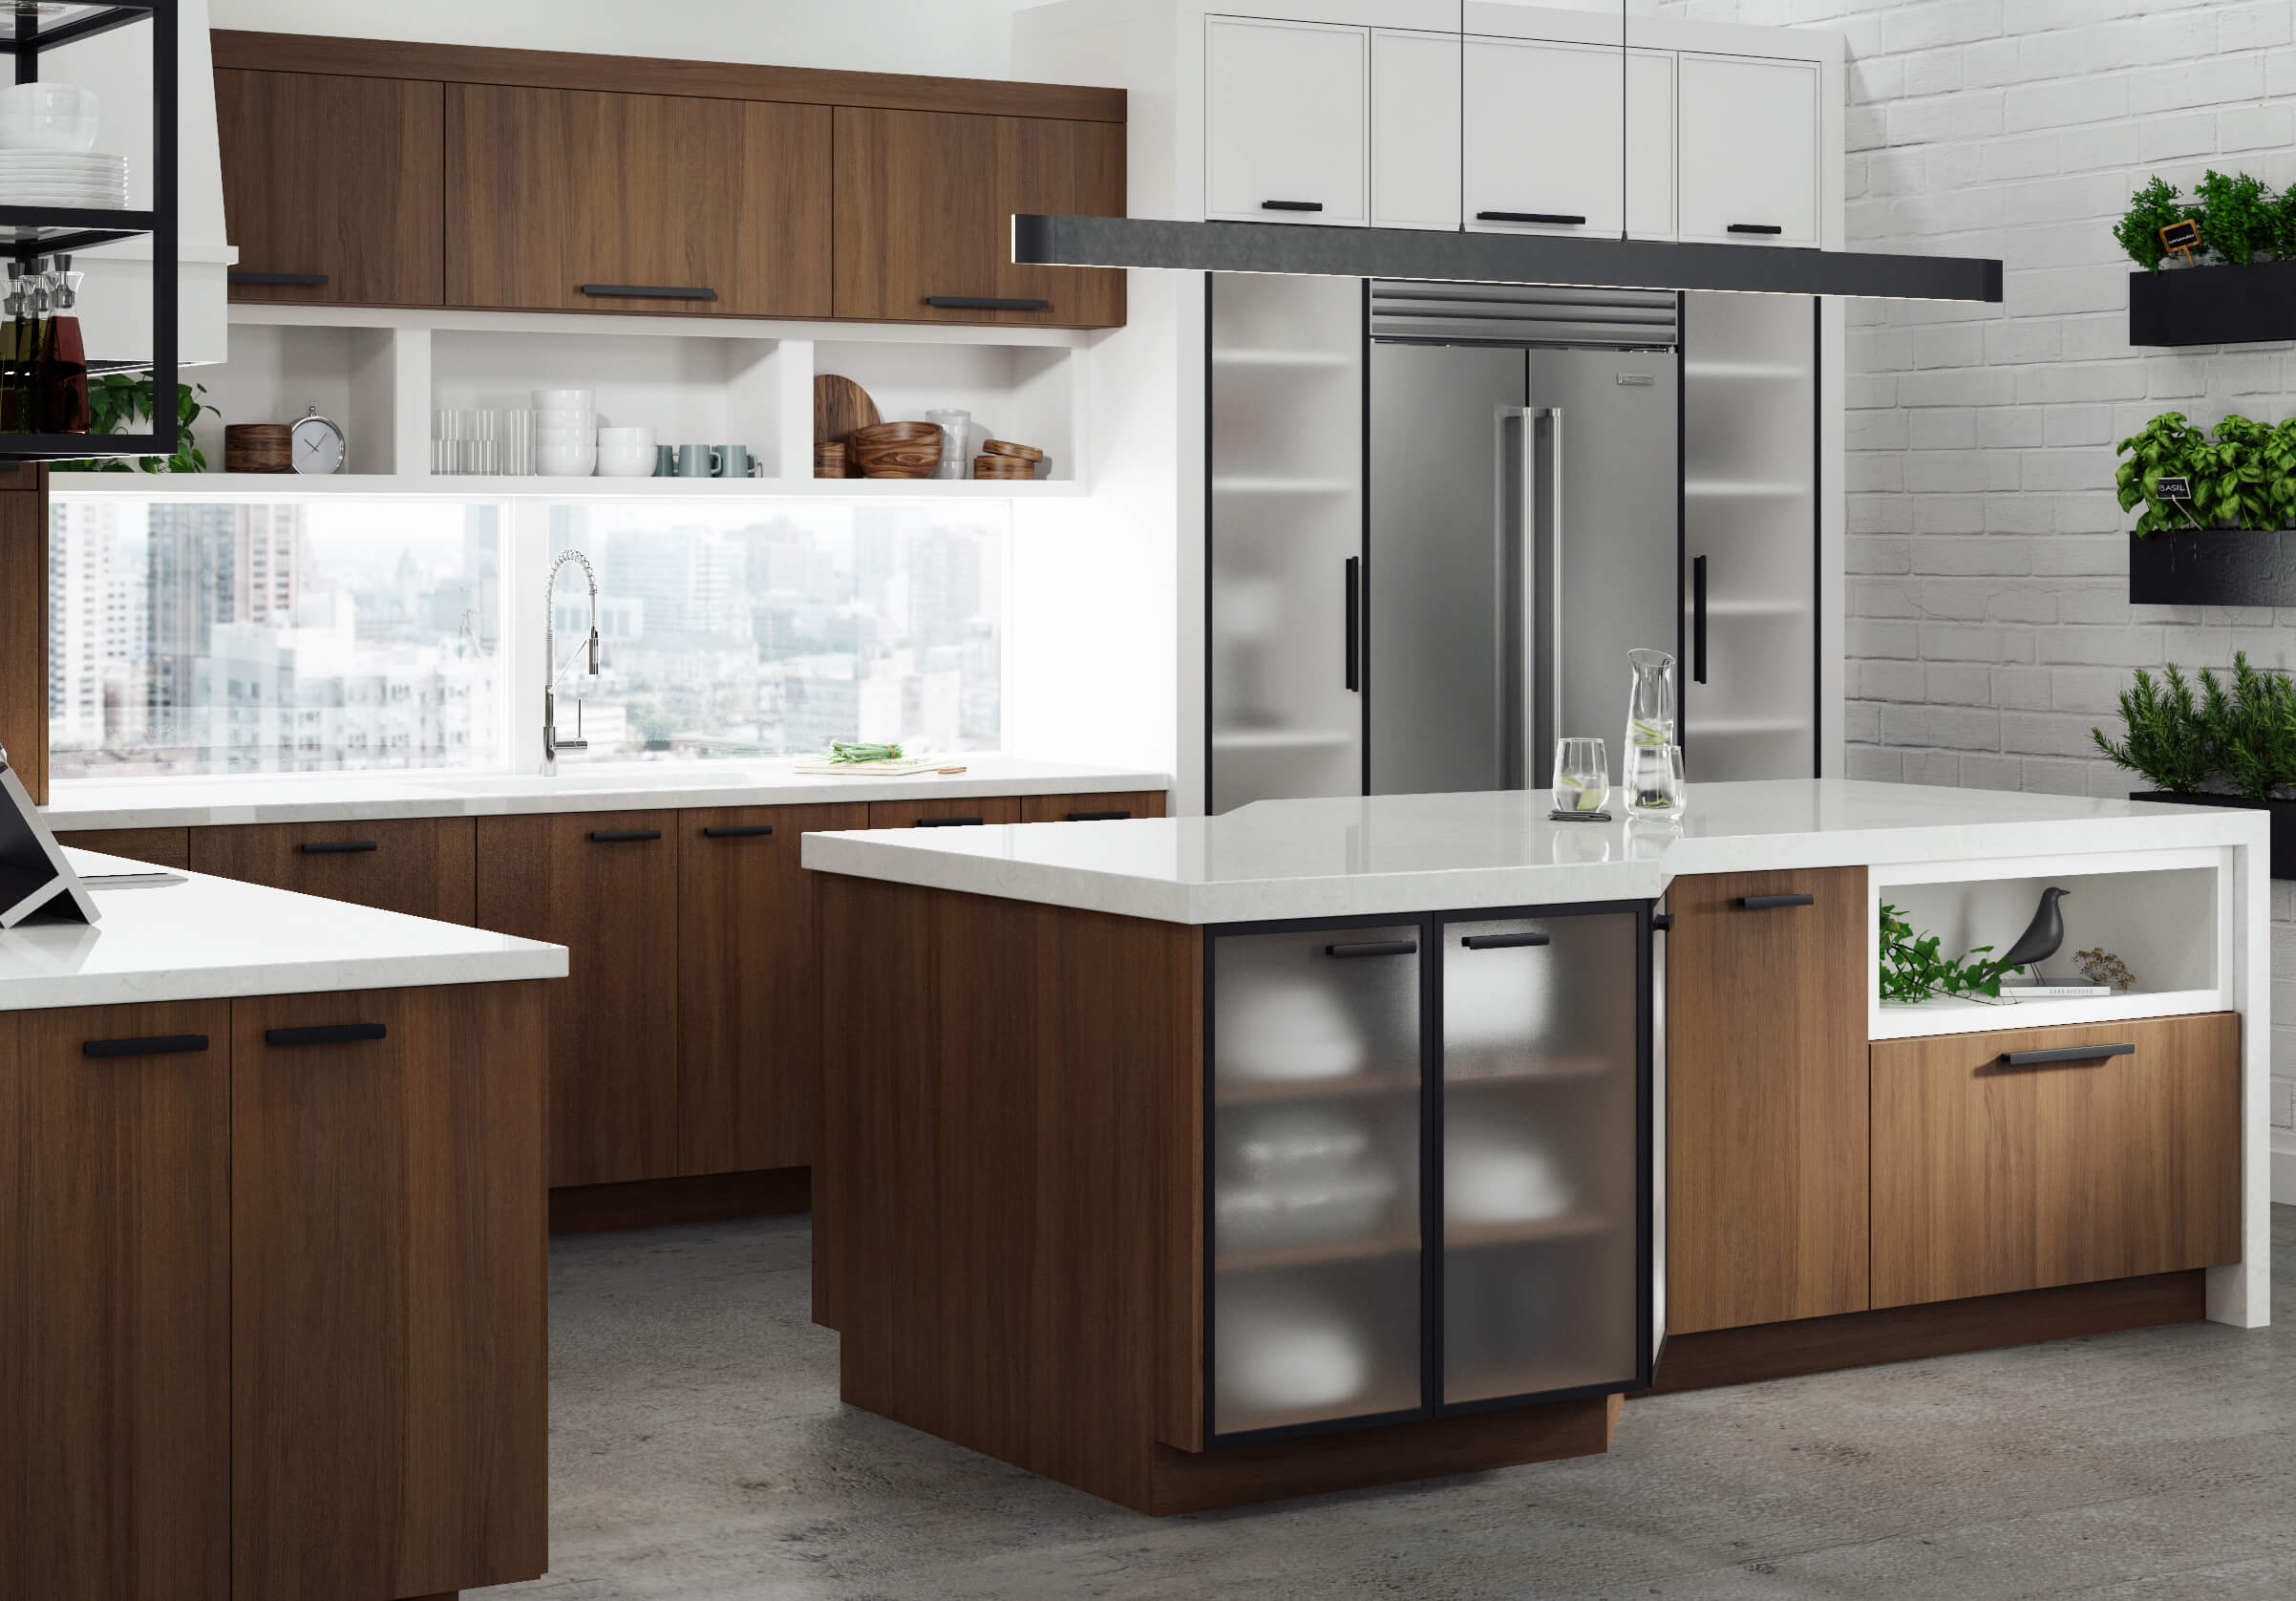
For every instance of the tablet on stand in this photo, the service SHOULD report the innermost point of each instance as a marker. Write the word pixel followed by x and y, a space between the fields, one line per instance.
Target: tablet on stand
pixel 36 882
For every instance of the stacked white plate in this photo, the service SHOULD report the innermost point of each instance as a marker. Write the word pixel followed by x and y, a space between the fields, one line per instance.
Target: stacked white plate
pixel 87 180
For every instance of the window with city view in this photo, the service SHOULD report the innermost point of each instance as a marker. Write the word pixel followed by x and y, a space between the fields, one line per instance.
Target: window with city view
pixel 272 637
pixel 741 631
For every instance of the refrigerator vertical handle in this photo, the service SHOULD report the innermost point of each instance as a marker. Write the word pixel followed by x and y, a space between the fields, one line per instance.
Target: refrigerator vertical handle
pixel 1697 619
pixel 1352 602
pixel 1529 563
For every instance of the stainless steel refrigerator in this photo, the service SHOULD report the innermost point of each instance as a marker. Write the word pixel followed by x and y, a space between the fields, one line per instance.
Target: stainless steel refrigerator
pixel 1442 515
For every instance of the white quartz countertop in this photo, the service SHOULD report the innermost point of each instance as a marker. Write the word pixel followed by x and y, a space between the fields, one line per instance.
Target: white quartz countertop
pixel 630 786
pixel 208 937
pixel 1345 857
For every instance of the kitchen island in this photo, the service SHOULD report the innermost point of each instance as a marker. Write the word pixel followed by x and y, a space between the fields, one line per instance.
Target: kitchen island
pixel 1334 1143
pixel 272 1252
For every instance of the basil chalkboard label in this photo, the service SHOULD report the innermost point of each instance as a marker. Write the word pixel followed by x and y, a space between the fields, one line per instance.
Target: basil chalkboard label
pixel 2174 489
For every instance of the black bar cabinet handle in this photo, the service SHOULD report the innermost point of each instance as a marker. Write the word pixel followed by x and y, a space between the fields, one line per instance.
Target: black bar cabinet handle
pixel 649 292
pixel 1561 218
pixel 1099 817
pixel 737 830
pixel 1697 619
pixel 1375 948
pixel 1661 921
pixel 338 847
pixel 986 303
pixel 326 1033
pixel 157 1045
pixel 281 279
pixel 624 835
pixel 1291 205
pixel 948 822
pixel 1771 902
pixel 2064 1053
pixel 1755 228
pixel 1351 604
pixel 1504 942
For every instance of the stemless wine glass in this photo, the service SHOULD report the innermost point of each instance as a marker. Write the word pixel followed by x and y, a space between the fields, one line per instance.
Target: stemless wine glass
pixel 1582 774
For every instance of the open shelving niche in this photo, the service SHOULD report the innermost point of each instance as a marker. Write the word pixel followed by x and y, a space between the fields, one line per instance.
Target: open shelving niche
pixel 380 374
pixel 2166 913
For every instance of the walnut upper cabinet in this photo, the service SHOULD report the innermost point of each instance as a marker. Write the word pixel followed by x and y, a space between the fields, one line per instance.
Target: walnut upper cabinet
pixel 1766 1098
pixel 554 196
pixel 330 188
pixel 925 208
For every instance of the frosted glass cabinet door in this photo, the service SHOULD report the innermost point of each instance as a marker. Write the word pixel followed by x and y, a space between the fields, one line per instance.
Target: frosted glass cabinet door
pixel 1314 1171
pixel 1541 1178
pixel 1286 108
pixel 1543 124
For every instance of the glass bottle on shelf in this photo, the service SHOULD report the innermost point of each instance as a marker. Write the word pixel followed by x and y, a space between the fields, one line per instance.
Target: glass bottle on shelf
pixel 64 380
pixel 1652 779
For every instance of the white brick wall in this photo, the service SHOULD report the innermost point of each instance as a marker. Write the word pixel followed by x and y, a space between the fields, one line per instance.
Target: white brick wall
pixel 1989 625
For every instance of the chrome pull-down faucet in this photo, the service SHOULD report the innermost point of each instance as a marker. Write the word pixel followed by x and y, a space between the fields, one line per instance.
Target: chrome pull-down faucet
pixel 552 744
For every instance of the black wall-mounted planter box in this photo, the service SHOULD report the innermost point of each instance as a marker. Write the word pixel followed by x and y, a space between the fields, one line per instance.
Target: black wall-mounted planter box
pixel 2213 567
pixel 2283 814
pixel 2213 304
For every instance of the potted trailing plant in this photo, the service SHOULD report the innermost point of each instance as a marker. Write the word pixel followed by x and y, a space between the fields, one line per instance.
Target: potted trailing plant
pixel 2244 287
pixel 119 402
pixel 2225 744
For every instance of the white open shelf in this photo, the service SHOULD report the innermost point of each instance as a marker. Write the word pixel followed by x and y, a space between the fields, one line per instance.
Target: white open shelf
pixel 2165 913
pixel 381 373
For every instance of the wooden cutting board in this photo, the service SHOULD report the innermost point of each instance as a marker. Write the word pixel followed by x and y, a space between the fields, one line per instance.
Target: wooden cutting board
pixel 840 406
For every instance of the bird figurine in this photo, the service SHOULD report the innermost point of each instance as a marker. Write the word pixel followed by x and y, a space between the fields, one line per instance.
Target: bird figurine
pixel 2042 936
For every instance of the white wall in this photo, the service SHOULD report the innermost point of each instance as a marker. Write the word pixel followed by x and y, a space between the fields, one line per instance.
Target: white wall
pixel 949 38
pixel 1990 621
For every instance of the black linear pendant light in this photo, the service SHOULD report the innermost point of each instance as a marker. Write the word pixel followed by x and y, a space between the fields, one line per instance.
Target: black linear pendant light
pixel 1431 256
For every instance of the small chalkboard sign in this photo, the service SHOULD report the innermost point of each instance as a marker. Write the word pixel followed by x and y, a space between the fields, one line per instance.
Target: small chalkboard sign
pixel 2173 488
pixel 2180 237
pixel 36 879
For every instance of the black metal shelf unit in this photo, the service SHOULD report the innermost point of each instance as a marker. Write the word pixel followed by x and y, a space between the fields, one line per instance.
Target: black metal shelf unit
pixel 27 231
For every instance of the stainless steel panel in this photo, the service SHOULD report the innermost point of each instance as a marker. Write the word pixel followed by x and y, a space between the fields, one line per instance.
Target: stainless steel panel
pixel 1614 585
pixel 1434 573
pixel 1523 315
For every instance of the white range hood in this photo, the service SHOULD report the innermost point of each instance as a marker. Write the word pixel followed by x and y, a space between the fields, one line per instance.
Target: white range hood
pixel 115 302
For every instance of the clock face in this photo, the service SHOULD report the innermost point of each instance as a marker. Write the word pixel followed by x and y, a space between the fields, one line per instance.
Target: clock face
pixel 318 446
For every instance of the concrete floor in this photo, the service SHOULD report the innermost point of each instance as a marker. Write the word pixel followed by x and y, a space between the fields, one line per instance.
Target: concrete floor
pixel 698 1450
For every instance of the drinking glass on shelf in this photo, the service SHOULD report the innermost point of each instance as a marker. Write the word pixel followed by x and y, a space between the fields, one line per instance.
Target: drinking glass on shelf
pixel 1582 774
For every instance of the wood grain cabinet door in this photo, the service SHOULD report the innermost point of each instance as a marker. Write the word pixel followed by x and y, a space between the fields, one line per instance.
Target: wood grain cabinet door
pixel 161 847
pixel 925 208
pixel 1766 1099
pixel 114 1304
pixel 1092 808
pixel 603 885
pixel 420 867
pixel 390 1424
pixel 749 1087
pixel 961 813
pixel 1992 1174
pixel 332 178
pixel 552 189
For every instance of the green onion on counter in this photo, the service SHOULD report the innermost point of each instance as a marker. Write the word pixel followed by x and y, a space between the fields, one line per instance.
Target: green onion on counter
pixel 841 751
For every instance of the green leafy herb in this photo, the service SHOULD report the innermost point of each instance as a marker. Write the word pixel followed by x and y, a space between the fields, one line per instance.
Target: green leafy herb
pixel 1912 970
pixel 2166 447
pixel 117 401
pixel 2151 208
pixel 840 750
pixel 2239 735
pixel 2236 216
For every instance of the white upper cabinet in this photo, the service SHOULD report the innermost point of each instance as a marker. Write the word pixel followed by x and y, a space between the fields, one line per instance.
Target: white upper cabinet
pixel 1748 141
pixel 1288 109
pixel 1650 144
pixel 1543 124
pixel 1416 130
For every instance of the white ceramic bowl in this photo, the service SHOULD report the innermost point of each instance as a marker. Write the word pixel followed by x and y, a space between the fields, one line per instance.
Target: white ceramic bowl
pixel 581 437
pixel 627 437
pixel 564 416
pixel 565 400
pixel 565 461
pixel 625 461
pixel 48 116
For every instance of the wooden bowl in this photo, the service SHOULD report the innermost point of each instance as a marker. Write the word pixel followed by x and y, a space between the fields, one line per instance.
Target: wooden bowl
pixel 258 447
pixel 1003 467
pixel 1006 447
pixel 896 449
pixel 829 460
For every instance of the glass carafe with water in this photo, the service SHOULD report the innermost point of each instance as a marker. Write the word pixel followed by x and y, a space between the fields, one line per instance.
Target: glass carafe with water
pixel 1652 779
